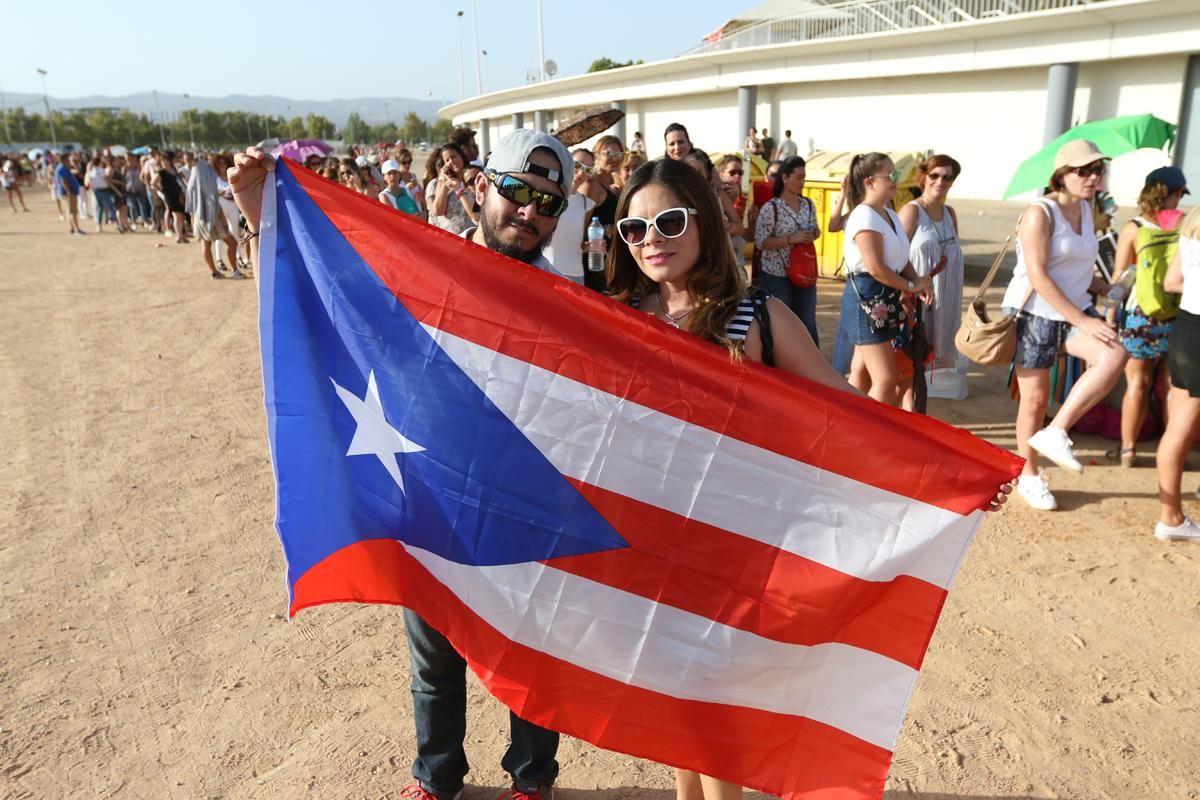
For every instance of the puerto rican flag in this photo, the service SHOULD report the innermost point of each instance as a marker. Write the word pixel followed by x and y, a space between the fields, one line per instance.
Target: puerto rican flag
pixel 630 538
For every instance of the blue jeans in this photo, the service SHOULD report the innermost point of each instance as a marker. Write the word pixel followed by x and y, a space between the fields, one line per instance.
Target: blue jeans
pixel 139 207
pixel 105 205
pixel 439 690
pixel 802 302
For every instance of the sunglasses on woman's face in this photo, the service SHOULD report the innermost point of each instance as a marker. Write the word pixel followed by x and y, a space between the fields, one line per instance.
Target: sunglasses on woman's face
pixel 612 153
pixel 670 224
pixel 944 177
pixel 406 163
pixel 893 176
pixel 515 190
pixel 1091 170
pixel 346 173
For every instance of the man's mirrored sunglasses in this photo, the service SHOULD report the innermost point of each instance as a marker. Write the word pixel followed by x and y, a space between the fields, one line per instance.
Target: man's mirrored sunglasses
pixel 517 191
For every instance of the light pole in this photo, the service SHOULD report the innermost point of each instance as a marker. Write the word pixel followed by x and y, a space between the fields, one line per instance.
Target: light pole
pixel 4 113
pixel 541 44
pixel 462 80
pixel 475 25
pixel 191 128
pixel 162 137
pixel 49 116
pixel 485 69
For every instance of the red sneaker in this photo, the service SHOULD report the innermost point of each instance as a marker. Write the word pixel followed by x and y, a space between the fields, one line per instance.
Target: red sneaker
pixel 542 792
pixel 418 792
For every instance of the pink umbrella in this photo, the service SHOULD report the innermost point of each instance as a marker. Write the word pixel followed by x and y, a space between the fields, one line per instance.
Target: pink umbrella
pixel 300 149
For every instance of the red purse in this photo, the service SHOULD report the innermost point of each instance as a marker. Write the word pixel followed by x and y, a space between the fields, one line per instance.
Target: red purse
pixel 802 265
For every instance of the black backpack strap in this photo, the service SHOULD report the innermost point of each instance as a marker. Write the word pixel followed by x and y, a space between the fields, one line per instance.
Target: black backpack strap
pixel 764 326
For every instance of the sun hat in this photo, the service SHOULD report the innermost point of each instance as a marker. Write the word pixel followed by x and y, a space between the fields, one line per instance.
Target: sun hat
pixel 1077 153
pixel 513 151
pixel 1171 177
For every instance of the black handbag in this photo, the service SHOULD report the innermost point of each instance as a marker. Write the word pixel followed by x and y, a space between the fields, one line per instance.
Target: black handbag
pixel 884 313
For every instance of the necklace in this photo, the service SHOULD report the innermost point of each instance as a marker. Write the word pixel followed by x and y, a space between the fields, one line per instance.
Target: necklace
pixel 672 321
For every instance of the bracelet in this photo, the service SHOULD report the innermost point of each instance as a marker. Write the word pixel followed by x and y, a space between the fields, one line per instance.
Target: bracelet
pixel 249 235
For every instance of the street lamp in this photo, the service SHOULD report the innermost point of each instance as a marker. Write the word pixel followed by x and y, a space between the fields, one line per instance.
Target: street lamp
pixel 162 136
pixel 191 129
pixel 49 116
pixel 485 69
pixel 462 80
pixel 475 25
pixel 4 113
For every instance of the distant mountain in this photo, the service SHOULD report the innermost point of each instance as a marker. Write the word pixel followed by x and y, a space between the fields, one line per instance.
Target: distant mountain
pixel 373 110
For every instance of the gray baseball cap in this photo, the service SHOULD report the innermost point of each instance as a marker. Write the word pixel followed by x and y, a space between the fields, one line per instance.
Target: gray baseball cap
pixel 513 151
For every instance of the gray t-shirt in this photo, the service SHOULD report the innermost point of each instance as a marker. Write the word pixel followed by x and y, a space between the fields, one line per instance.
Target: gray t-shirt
pixel 787 149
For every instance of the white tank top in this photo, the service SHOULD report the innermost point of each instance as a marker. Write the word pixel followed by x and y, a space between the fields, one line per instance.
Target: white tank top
pixel 1072 259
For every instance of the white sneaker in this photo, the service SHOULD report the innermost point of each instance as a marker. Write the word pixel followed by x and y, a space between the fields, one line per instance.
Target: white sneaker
pixel 1036 493
pixel 1187 531
pixel 1054 445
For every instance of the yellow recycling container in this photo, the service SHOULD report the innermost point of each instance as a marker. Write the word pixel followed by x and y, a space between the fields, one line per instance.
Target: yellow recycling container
pixel 824 171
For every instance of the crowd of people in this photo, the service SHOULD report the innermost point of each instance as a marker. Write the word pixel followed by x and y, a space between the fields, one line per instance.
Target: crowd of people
pixel 180 195
pixel 899 257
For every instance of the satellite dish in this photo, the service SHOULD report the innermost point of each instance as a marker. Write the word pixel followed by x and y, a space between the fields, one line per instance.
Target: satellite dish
pixel 551 67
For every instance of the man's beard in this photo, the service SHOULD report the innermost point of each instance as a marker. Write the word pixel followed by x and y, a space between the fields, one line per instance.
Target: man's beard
pixel 491 237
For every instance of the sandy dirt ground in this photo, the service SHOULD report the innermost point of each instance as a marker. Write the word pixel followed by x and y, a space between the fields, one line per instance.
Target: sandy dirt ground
pixel 144 651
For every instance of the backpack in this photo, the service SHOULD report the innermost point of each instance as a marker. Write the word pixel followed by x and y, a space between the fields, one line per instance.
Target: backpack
pixel 1153 252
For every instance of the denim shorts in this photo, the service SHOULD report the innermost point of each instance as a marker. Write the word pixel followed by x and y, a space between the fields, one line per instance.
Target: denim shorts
pixel 854 318
pixel 1040 340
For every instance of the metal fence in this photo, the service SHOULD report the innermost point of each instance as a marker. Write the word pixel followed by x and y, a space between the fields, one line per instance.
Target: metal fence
pixel 864 17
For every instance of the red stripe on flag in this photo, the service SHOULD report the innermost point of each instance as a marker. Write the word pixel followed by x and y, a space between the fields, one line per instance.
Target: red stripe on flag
pixel 483 297
pixel 794 757
pixel 753 586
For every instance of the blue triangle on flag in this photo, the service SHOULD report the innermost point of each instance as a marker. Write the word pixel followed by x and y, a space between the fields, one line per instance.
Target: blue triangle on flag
pixel 479 492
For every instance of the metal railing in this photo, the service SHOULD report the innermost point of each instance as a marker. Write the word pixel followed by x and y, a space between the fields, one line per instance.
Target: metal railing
pixel 864 17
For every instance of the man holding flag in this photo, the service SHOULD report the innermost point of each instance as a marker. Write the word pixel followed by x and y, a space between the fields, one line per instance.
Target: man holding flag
pixel 630 536
pixel 517 192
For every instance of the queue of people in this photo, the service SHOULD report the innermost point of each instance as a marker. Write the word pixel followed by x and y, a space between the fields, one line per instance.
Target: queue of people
pixel 178 195
pixel 899 258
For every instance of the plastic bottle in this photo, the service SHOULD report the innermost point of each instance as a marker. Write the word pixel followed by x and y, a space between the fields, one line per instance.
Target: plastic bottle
pixel 1120 290
pixel 595 246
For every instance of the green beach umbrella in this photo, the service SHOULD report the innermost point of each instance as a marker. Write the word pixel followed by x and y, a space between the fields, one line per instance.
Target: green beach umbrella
pixel 1114 137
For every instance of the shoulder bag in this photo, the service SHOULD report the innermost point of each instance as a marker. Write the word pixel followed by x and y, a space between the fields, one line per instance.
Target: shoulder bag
pixel 986 342
pixel 802 261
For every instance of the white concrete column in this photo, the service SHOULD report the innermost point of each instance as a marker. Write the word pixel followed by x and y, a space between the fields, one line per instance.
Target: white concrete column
pixel 540 120
pixel 485 138
pixel 747 100
pixel 620 132
pixel 1060 98
pixel 1187 145
pixel 518 120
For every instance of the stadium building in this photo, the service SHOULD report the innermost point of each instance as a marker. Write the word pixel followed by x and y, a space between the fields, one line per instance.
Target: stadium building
pixel 987 81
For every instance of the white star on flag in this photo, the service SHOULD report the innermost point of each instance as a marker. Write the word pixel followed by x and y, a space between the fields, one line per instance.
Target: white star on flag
pixel 374 435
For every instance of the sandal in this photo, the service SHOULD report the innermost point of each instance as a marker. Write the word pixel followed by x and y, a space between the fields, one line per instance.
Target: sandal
pixel 1126 455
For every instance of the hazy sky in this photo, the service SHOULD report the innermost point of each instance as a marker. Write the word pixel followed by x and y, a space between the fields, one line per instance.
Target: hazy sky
pixel 326 50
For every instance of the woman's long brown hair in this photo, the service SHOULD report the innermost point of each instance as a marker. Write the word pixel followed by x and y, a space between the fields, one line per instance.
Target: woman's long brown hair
pixel 715 282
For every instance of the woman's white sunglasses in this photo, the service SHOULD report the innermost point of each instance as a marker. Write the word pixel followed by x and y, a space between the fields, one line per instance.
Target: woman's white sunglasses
pixel 670 224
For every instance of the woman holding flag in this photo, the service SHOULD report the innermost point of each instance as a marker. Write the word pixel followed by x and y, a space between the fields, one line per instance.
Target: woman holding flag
pixel 676 266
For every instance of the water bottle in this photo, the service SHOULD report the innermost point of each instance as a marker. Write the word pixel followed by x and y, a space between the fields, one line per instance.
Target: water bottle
pixel 595 246
pixel 1120 290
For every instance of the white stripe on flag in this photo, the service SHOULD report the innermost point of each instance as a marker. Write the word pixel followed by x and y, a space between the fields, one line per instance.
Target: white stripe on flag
pixel 618 445
pixel 664 649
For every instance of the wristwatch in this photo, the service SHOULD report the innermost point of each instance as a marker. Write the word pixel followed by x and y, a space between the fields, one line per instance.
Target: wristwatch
pixel 910 286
